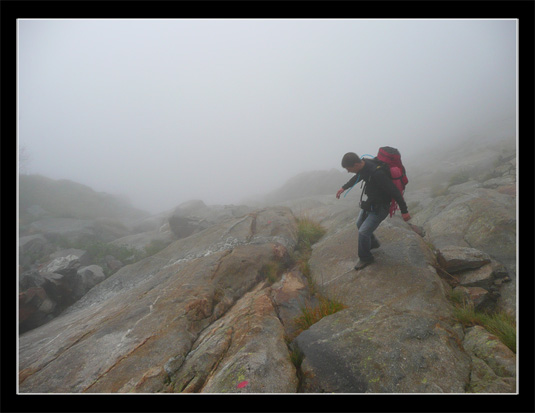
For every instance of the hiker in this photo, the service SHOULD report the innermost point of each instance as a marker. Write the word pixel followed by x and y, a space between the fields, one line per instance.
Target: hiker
pixel 380 191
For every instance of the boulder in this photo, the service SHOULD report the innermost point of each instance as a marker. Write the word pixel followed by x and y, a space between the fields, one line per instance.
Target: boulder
pixel 33 248
pixel 496 183
pixel 484 380
pixel 455 259
pixel 195 216
pixel 243 352
pixel 60 288
pixel 290 296
pixel 484 219
pixel 112 263
pixel 35 308
pixel 397 334
pixel 480 298
pixel 29 279
pixel 62 265
pixel 489 276
pixel 494 363
pixel 83 256
pixel 183 227
pixel 138 326
pixel 87 278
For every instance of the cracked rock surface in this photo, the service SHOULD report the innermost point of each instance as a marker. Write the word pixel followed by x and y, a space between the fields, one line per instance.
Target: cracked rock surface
pixel 133 331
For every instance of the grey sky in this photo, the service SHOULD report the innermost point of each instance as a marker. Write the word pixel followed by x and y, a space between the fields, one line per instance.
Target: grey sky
pixel 165 111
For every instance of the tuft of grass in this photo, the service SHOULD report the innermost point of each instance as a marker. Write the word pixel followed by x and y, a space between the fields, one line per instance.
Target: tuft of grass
pixel 309 232
pixel 296 357
pixel 311 315
pixel 499 323
pixel 271 271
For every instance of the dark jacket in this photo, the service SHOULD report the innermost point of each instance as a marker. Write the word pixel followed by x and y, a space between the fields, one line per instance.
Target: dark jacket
pixel 379 187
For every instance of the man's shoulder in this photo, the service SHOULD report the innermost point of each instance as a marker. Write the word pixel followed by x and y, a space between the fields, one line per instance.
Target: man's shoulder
pixel 374 166
pixel 379 169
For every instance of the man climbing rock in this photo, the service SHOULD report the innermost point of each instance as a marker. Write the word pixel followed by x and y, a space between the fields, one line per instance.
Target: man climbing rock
pixel 380 191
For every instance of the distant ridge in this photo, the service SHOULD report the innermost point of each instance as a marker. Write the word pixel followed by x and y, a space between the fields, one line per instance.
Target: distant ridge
pixel 68 199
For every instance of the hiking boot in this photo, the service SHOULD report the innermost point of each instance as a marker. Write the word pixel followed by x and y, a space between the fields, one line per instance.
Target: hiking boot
pixel 363 263
pixel 375 244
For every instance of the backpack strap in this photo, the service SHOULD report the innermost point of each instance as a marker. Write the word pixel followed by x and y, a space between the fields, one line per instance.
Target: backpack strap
pixel 371 174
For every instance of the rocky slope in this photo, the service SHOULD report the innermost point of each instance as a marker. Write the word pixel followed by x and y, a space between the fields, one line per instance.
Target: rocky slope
pixel 215 310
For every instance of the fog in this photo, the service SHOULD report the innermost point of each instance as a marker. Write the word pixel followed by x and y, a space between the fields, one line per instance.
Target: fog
pixel 165 111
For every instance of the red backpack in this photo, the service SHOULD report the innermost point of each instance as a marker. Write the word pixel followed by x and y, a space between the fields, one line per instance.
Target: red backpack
pixel 392 159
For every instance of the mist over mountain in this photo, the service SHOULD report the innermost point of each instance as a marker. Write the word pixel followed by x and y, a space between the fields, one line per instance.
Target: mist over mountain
pixel 210 298
pixel 131 107
pixel 68 199
pixel 178 229
pixel 64 198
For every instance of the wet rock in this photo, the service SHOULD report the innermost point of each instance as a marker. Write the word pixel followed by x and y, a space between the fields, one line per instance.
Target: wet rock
pixel 484 380
pixel 138 326
pixel 194 216
pixel 83 256
pixel 455 259
pixel 29 279
pixel 480 298
pixel 494 363
pixel 484 219
pixel 35 308
pixel 60 288
pixel 33 248
pixel 87 278
pixel 243 352
pixel 396 334
pixel 489 276
pixel 62 265
pixel 112 263
pixel 290 295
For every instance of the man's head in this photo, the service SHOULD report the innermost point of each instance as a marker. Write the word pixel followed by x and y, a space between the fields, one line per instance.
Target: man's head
pixel 352 162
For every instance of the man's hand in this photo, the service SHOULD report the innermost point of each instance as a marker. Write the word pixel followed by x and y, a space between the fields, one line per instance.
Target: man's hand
pixel 340 192
pixel 406 216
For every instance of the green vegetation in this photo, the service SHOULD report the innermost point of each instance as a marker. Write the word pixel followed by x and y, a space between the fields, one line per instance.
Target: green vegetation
pixel 271 271
pixel 499 323
pixel 310 232
pixel 98 250
pixel 296 357
pixel 312 314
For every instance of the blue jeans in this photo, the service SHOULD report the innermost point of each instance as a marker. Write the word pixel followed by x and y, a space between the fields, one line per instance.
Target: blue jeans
pixel 367 223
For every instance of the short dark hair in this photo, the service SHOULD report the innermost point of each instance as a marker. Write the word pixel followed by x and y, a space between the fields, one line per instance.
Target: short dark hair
pixel 350 159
